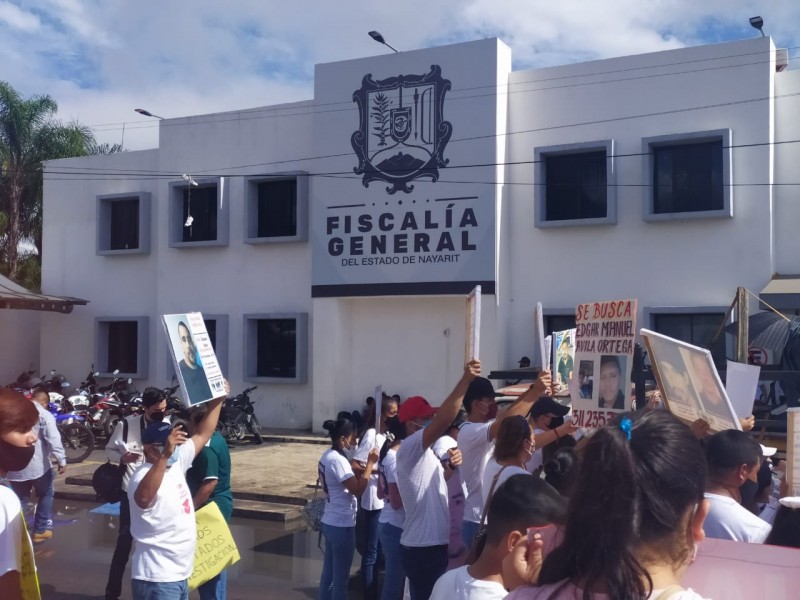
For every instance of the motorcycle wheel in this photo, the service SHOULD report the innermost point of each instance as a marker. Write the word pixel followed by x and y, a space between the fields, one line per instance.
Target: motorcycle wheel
pixel 110 424
pixel 239 430
pixel 255 428
pixel 78 441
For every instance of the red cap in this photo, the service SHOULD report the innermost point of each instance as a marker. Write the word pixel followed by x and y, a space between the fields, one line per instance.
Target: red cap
pixel 415 407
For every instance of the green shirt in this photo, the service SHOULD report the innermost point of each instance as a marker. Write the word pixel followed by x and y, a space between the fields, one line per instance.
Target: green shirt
pixel 214 462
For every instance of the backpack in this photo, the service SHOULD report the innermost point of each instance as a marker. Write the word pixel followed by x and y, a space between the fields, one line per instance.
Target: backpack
pixel 107 478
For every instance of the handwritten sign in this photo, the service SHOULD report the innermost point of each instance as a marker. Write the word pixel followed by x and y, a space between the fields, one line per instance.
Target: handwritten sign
pixel 28 579
pixel 604 337
pixel 215 549
pixel 473 329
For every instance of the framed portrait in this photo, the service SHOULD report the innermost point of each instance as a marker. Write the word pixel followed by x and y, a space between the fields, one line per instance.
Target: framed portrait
pixel 689 382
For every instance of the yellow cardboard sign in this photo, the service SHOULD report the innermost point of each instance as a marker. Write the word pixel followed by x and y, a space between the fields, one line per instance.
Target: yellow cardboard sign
pixel 28 579
pixel 215 549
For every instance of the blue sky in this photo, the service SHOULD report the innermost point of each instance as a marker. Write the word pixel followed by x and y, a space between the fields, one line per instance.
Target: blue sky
pixel 100 59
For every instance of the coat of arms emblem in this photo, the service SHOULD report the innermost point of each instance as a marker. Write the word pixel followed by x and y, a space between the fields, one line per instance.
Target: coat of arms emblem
pixel 402 133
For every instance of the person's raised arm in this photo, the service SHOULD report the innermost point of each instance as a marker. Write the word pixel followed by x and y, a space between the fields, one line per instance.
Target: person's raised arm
pixel 523 404
pixel 357 484
pixel 449 409
pixel 147 489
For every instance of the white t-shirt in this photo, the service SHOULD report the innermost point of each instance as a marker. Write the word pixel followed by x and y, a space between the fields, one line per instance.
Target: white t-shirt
pixel 341 507
pixel 370 500
pixel 458 584
pixel 440 448
pixel 729 520
pixel 492 469
pixel 476 448
pixel 420 478
pixel 10 531
pixel 165 532
pixel 388 469
pixel 567 591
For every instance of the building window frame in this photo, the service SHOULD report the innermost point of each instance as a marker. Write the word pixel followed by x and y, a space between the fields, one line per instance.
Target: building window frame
pixel 650 313
pixel 251 347
pixel 251 207
pixel 101 329
pixel 176 220
pixel 105 204
pixel 540 156
pixel 724 136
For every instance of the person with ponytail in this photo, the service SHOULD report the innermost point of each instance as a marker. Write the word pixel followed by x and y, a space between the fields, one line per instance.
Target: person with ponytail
pixel 635 517
pixel 390 522
pixel 342 489
pixel 18 417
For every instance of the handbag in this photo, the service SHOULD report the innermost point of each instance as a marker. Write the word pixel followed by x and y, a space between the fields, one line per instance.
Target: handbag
pixel 312 511
pixel 476 547
pixel 107 482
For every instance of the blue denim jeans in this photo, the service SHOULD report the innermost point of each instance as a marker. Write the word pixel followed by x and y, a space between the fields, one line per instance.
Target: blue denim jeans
pixel 395 575
pixel 424 565
pixel 151 590
pixel 370 556
pixel 340 546
pixel 468 532
pixel 215 588
pixel 43 488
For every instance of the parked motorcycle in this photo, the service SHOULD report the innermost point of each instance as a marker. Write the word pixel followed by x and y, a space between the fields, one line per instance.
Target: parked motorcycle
pixel 76 435
pixel 177 411
pixel 238 417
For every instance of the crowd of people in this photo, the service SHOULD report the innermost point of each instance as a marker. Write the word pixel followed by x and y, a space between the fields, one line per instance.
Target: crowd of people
pixel 464 502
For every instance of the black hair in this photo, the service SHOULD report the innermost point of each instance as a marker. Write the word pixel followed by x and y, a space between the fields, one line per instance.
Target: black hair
pixel 561 469
pixel 729 450
pixel 395 430
pixel 151 396
pixel 632 496
pixel 338 429
pixel 786 528
pixel 609 359
pixel 461 418
pixel 511 437
pixel 386 402
pixel 523 501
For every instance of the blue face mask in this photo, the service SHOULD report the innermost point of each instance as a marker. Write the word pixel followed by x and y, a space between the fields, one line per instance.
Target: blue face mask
pixel 173 458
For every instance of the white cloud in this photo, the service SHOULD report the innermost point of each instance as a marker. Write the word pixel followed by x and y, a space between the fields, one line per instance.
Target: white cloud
pixel 13 16
pixel 100 60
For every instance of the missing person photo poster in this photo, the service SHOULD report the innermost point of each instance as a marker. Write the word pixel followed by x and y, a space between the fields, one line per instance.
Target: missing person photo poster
pixel 689 382
pixel 605 333
pixel 563 356
pixel 196 363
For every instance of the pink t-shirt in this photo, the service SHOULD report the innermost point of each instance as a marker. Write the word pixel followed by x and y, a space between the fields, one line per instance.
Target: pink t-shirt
pixel 563 590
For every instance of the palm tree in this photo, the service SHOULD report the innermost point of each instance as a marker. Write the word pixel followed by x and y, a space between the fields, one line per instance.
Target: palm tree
pixel 29 134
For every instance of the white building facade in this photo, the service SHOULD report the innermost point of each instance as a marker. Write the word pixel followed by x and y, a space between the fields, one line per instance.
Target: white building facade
pixel 333 241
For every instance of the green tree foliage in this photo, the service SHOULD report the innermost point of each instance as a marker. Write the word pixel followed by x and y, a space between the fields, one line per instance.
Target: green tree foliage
pixel 29 135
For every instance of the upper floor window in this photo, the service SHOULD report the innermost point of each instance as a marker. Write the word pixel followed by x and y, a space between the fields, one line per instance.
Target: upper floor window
pixel 575 184
pixel 198 214
pixel 277 208
pixel 123 223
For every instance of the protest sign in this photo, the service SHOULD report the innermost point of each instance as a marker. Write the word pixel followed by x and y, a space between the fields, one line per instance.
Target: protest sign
pixel 548 350
pixel 563 355
pixel 539 359
pixel 604 339
pixel 28 579
pixel 742 571
pixel 793 451
pixel 741 384
pixel 215 549
pixel 473 329
pixel 689 382
pixel 192 353
pixel 378 410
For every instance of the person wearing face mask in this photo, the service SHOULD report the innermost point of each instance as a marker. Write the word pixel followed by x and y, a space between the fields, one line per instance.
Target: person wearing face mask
pixel 476 438
pixel 162 511
pixel 125 447
pixel 18 417
pixel 512 450
pixel 342 488
pixel 547 419
pixel 734 459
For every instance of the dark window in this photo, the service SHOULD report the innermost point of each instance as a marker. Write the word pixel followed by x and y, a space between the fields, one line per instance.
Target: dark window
pixel 123 346
pixel 211 328
pixel 696 329
pixel 575 186
pixel 201 203
pixel 558 323
pixel 277 208
pixel 276 348
pixel 124 218
pixel 687 178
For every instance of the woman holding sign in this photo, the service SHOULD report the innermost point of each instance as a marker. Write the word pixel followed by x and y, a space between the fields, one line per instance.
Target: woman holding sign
pixel 17 444
pixel 611 380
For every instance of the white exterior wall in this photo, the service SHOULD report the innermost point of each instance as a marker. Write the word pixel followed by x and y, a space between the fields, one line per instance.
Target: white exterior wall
pixel 21 326
pixel 787 158
pixel 356 343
